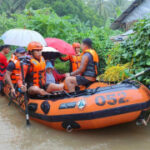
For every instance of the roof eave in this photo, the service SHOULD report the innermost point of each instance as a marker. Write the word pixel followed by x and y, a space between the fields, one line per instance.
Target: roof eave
pixel 117 23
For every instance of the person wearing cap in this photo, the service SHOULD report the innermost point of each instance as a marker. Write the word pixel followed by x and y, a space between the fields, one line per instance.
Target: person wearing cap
pixel 13 73
pixel 52 76
pixel 49 75
pixel 75 60
pixel 88 70
pixel 4 50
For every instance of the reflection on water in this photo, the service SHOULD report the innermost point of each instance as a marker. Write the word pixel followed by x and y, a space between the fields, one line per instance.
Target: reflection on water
pixel 14 135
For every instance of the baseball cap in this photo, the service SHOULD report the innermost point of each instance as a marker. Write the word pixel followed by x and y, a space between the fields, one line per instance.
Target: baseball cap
pixel 20 50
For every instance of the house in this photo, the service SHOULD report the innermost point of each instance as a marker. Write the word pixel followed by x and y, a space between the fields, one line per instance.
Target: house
pixel 137 10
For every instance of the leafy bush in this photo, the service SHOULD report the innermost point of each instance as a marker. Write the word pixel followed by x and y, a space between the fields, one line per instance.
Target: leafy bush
pixel 135 49
pixel 115 73
pixel 62 67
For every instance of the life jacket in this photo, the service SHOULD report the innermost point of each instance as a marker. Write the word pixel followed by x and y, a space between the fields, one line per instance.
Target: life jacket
pixel 16 75
pixel 13 56
pixel 76 62
pixel 92 67
pixel 38 72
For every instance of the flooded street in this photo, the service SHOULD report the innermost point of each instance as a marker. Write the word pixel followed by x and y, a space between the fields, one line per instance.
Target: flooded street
pixel 14 135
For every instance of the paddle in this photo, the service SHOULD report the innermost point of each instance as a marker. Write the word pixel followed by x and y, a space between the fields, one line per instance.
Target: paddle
pixel 25 94
pixel 136 75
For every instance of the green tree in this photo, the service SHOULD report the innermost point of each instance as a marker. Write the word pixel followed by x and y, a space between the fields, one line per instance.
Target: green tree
pixel 12 6
pixel 73 8
pixel 36 4
pixel 109 9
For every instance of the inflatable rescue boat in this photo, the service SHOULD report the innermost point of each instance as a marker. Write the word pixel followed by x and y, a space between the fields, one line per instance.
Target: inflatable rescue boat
pixel 96 107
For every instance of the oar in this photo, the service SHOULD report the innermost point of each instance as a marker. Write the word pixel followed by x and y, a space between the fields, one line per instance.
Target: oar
pixel 136 75
pixel 25 96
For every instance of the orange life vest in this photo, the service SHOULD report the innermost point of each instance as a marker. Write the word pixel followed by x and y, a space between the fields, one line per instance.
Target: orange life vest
pixel 76 62
pixel 16 75
pixel 13 56
pixel 38 72
pixel 92 68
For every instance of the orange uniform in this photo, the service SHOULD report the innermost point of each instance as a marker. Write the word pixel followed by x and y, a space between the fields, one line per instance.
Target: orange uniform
pixel 38 72
pixel 16 75
pixel 74 60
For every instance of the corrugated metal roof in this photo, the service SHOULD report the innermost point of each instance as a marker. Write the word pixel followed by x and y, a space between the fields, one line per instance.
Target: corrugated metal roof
pixel 117 22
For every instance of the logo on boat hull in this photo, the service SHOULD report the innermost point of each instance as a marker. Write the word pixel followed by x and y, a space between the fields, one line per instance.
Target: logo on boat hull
pixel 81 104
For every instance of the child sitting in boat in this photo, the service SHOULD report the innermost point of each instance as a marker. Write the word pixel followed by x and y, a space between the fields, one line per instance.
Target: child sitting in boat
pixel 52 76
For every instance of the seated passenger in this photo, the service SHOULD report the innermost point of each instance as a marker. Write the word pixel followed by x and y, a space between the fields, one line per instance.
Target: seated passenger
pixel 51 74
pixel 13 73
pixel 75 61
pixel 36 77
pixel 88 70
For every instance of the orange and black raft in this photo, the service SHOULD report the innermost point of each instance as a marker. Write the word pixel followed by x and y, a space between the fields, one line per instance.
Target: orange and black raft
pixel 96 107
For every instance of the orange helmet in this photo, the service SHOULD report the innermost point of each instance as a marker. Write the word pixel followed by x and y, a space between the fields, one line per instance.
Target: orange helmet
pixel 34 46
pixel 76 45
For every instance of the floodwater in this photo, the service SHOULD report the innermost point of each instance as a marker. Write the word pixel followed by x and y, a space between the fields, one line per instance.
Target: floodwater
pixel 14 135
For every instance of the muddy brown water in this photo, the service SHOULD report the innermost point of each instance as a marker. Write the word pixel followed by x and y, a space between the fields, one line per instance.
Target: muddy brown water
pixel 14 135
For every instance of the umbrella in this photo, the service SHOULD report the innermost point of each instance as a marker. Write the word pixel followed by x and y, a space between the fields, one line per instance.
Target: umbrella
pixel 49 50
pixel 50 53
pixel 22 37
pixel 62 46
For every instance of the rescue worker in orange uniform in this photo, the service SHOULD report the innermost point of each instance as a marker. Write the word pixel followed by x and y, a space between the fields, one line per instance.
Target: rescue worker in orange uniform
pixel 36 78
pixel 13 73
pixel 88 70
pixel 75 61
